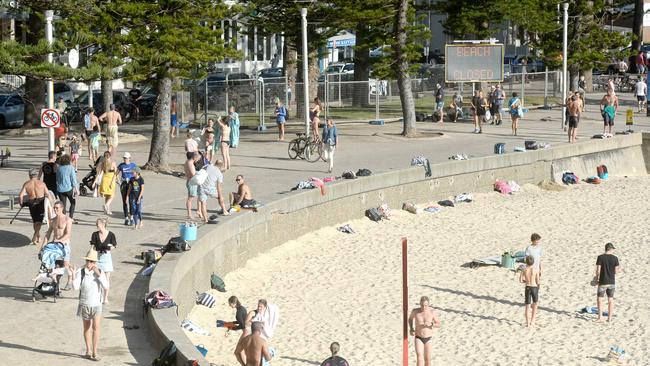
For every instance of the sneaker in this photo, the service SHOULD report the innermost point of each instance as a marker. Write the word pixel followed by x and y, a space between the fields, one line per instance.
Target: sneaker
pixel 126 221
pixel 131 222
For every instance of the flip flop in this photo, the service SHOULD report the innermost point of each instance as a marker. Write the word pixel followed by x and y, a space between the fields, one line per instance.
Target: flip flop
pixel 95 358
pixel 87 357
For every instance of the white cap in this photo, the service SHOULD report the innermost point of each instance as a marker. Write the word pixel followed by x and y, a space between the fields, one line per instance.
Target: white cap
pixel 126 155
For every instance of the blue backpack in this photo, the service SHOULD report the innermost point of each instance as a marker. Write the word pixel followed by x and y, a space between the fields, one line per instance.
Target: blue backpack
pixel 500 148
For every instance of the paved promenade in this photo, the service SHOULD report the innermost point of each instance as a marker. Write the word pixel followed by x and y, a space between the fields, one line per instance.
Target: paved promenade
pixel 50 334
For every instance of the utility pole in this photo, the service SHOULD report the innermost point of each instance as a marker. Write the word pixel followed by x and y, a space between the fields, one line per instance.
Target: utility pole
pixel 305 68
pixel 49 16
pixel 565 6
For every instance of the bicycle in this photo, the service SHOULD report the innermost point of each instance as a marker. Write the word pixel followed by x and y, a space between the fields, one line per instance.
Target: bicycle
pixel 305 148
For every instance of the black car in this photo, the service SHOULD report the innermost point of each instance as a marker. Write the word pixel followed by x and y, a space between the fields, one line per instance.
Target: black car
pixel 77 109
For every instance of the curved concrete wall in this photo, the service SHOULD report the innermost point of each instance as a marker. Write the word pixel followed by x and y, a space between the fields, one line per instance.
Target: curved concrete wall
pixel 230 244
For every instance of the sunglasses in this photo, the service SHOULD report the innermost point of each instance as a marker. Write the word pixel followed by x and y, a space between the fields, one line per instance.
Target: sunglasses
pixel 237 180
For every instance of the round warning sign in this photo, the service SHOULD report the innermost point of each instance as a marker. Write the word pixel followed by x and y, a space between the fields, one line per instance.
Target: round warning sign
pixel 50 118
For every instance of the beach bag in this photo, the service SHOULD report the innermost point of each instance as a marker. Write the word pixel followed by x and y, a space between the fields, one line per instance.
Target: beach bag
pixel 205 299
pixel 502 187
pixel 151 256
pixel 363 172
pixel 500 148
pixel 531 145
pixel 601 170
pixel 593 180
pixel 199 178
pixel 488 115
pixel 177 244
pixel 158 300
pixel 373 214
pixel 349 174
pixel 446 203
pixel 167 356
pixel 569 178
pixel 419 117
pixel 216 283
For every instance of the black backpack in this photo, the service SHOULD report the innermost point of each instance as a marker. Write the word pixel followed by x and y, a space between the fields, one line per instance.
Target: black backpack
pixel 500 148
pixel 177 244
pixel 373 214
pixel 531 145
pixel 167 356
pixel 363 172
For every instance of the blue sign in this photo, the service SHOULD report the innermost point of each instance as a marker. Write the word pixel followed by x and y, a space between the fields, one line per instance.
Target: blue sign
pixel 342 43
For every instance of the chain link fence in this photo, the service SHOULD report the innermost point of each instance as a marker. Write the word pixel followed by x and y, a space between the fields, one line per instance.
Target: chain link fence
pixel 344 99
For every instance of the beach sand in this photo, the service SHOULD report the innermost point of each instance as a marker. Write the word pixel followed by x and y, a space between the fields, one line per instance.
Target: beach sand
pixel 332 286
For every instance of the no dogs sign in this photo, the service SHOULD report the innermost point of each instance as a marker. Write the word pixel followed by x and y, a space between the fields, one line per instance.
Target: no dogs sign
pixel 50 118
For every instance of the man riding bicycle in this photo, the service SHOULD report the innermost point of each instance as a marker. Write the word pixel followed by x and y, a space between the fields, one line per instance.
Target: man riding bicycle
pixel 135 95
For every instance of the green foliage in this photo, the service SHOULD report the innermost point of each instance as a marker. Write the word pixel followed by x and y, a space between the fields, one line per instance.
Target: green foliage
pixel 471 19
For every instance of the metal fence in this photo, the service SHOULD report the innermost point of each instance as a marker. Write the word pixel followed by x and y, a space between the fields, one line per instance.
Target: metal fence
pixel 347 100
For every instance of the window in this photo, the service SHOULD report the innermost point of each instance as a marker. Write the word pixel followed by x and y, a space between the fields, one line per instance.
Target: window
pixel 61 88
pixel 14 101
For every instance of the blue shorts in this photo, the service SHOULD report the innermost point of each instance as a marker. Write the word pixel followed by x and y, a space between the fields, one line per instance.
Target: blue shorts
pixel 440 105
pixel 192 189
pixel 205 193
pixel 280 120
pixel 174 120
pixel 66 252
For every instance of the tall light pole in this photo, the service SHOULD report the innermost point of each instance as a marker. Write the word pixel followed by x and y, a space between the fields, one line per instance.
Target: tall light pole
pixel 565 6
pixel 305 68
pixel 49 16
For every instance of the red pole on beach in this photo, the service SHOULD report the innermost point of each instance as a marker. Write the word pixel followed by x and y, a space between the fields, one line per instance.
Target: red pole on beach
pixel 405 304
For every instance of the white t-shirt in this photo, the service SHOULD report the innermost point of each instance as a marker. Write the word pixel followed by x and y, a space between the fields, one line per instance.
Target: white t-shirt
pixel 90 293
pixel 641 89
pixel 536 252
pixel 214 176
pixel 191 145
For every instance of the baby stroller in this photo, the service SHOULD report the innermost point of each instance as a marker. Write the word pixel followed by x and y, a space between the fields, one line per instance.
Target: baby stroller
pixel 46 282
pixel 87 181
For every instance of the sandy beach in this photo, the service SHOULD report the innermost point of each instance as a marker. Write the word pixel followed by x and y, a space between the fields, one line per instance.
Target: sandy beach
pixel 332 286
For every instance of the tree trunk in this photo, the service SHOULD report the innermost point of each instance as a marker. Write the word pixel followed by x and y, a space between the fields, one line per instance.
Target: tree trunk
pixel 637 29
pixel 360 98
pixel 291 70
pixel 402 69
pixel 589 80
pixel 159 151
pixel 34 88
pixel 107 94
pixel 574 73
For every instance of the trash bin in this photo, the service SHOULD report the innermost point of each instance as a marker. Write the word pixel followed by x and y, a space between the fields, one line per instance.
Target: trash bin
pixel 507 261
pixel 188 231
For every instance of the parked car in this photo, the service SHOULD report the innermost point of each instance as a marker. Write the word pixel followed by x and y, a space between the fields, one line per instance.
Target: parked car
pixel 272 72
pixel 77 109
pixel 12 110
pixel 61 89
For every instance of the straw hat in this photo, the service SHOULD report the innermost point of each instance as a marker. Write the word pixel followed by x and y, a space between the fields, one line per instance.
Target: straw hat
pixel 91 255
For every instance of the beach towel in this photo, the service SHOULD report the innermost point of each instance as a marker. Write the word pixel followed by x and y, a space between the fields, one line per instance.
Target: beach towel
pixel 464 197
pixel 265 362
pixel 610 110
pixel 593 180
pixel 459 157
pixel 305 184
pixel 520 149
pixel 50 253
pixel 514 187
pixel 433 209
pixel 424 162
pixel 270 318
pixel 502 187
pixel 205 299
pixel 190 326
pixel 591 310
pixel 384 210
pixel 346 229
pixel 329 179
pixel 317 182
pixel 617 354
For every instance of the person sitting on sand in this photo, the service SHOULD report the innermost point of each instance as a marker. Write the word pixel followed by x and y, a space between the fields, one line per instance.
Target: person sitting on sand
pixel 425 319
pixel 530 276
pixel 240 315
pixel 243 197
pixel 252 349
pixel 335 360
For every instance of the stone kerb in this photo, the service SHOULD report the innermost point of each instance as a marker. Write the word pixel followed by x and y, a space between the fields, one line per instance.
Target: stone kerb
pixel 228 245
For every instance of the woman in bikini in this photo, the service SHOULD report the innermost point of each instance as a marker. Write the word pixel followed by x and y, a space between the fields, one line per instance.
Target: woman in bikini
pixel 314 114
pixel 224 123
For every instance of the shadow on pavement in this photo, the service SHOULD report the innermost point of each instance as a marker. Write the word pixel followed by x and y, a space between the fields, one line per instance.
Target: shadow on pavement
pixel 13 240
pixel 37 350
pixel 138 340
pixel 16 292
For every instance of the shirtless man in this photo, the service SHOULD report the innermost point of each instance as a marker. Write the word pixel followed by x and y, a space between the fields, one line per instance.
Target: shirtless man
pixel 61 230
pixel 608 108
pixel 243 197
pixel 192 189
pixel 36 190
pixel 112 118
pixel 252 349
pixel 530 276
pixel 574 107
pixel 425 320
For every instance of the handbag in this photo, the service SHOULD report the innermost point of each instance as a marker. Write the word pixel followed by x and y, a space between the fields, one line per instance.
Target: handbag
pixel 199 178
pixel 488 115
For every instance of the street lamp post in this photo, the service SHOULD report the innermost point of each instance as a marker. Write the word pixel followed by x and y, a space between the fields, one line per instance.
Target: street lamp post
pixel 49 16
pixel 305 68
pixel 565 6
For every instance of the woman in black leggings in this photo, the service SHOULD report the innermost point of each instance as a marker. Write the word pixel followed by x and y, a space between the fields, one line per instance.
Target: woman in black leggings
pixel 66 184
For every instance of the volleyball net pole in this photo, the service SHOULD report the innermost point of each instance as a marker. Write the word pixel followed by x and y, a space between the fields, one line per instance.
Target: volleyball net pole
pixel 405 295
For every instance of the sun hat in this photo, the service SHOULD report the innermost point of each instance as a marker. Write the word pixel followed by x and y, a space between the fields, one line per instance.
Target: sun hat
pixel 126 155
pixel 91 255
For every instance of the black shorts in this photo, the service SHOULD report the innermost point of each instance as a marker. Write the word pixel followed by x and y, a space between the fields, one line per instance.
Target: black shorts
pixel 37 210
pixel 88 132
pixel 608 120
pixel 573 121
pixel 531 295
pixel 248 203
pixel 640 98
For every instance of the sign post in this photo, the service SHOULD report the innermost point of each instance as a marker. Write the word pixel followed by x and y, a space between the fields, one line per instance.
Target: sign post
pixel 405 304
pixel 50 118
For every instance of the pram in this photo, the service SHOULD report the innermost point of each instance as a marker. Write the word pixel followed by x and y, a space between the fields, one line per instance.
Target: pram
pixel 46 282
pixel 87 181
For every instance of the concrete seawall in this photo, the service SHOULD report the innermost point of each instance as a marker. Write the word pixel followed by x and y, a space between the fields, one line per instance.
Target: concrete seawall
pixel 227 246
